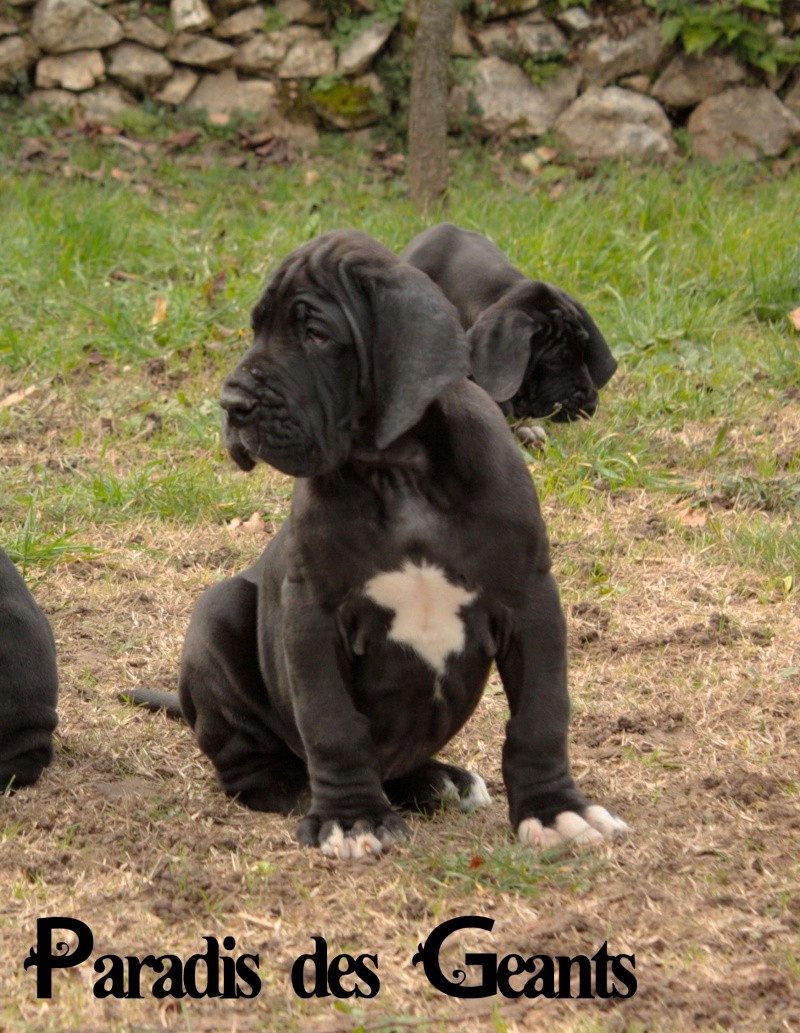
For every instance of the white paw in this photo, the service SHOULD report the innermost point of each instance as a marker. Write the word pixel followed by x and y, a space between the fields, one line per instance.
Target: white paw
pixel 352 846
pixel 477 796
pixel 595 827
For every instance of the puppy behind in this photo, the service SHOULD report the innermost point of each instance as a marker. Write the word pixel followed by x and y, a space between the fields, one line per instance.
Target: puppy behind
pixel 533 348
pixel 28 682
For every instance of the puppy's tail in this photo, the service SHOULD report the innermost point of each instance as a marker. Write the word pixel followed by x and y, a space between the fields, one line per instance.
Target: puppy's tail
pixel 153 699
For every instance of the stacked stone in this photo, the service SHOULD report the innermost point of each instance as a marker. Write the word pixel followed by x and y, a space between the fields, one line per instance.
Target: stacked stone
pixel 610 93
pixel 80 54
pixel 617 90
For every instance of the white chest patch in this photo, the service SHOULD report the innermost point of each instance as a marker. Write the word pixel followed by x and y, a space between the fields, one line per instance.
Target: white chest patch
pixel 426 608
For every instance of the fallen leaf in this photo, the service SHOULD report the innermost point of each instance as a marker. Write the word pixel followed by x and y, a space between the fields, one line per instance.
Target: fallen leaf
pixel 32 147
pixel 689 517
pixel 18 396
pixel 531 163
pixel 253 525
pixel 277 151
pixel 159 312
pixel 794 319
pixel 181 140
pixel 252 140
pixel 136 146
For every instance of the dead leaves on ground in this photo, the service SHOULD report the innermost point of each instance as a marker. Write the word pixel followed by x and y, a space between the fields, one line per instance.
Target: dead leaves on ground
pixel 133 157
pixel 254 524
pixel 690 516
pixel 18 396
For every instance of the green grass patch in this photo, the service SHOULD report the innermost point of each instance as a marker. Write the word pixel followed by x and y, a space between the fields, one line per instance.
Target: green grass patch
pixel 510 868
pixel 143 254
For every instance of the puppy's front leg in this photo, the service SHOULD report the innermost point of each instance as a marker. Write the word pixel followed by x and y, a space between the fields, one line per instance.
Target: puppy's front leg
pixel 545 806
pixel 350 815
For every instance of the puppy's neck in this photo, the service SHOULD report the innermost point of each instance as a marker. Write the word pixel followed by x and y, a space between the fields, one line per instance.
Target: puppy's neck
pixel 408 453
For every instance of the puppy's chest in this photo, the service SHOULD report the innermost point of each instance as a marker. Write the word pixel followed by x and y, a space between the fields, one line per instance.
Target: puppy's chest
pixel 413 588
pixel 423 609
pixel 411 522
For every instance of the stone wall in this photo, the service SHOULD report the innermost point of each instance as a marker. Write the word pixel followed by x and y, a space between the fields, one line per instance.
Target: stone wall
pixel 602 80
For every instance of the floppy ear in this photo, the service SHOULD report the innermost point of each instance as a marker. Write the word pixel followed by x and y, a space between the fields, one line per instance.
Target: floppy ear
pixel 500 348
pixel 597 356
pixel 418 348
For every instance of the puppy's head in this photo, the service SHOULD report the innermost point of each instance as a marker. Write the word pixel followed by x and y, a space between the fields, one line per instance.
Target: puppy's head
pixel 540 350
pixel 350 347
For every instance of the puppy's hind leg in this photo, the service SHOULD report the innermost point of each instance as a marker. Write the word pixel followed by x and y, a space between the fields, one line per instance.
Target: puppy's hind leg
pixel 435 784
pixel 224 699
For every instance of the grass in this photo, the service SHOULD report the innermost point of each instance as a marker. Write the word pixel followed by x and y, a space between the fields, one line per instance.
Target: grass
pixel 688 270
pixel 507 869
pixel 127 272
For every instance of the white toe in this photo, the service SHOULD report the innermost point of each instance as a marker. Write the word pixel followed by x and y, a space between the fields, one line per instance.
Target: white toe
pixel 573 828
pixel 532 833
pixel 609 825
pixel 333 844
pixel 366 845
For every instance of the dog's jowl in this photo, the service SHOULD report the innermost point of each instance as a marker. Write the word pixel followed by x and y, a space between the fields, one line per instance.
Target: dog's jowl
pixel 324 679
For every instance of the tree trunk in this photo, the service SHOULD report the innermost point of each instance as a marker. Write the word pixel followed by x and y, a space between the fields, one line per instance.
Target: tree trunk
pixel 427 119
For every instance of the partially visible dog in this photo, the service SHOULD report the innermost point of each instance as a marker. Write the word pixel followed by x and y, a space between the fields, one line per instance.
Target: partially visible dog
pixel 327 676
pixel 533 348
pixel 28 682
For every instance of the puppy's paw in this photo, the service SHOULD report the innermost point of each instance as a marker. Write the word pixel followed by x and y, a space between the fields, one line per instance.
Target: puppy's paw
pixel 532 437
pixel 470 795
pixel 352 841
pixel 434 784
pixel 592 827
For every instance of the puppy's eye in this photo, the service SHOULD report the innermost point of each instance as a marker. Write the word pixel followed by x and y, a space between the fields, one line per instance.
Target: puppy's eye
pixel 315 336
pixel 310 326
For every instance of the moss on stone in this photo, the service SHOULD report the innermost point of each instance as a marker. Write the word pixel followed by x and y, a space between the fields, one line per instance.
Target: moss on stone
pixel 346 104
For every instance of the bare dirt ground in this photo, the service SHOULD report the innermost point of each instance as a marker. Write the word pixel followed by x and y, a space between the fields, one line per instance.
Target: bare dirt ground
pixel 685 670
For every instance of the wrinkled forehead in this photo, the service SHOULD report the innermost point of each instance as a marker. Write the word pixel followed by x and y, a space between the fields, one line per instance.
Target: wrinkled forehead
pixel 288 281
pixel 331 269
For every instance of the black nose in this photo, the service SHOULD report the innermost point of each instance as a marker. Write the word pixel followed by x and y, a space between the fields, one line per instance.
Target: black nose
pixel 239 405
pixel 585 409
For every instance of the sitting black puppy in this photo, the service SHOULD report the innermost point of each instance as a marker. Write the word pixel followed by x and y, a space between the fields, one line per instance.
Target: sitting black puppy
pixel 533 348
pixel 28 682
pixel 327 675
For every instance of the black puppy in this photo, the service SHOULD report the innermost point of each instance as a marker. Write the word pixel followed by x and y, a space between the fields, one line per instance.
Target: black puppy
pixel 327 675
pixel 532 347
pixel 28 682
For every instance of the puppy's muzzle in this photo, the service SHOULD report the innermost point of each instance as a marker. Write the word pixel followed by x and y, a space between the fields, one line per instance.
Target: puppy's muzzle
pixel 579 407
pixel 239 406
